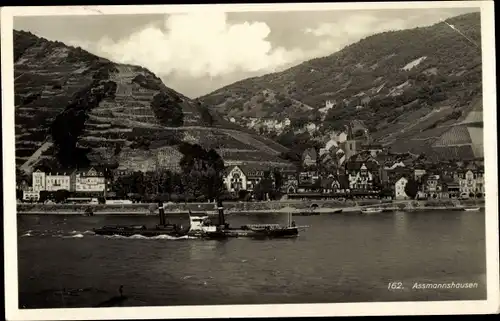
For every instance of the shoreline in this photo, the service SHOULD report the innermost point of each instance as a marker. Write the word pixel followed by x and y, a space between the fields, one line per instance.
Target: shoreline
pixel 142 209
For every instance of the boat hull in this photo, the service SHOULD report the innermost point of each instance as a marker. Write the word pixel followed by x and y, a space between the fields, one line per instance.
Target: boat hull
pixel 143 232
pixel 247 233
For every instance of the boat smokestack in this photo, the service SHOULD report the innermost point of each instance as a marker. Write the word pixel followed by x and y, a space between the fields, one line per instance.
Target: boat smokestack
pixel 161 211
pixel 220 209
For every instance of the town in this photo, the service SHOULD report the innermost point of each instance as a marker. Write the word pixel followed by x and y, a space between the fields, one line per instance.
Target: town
pixel 355 170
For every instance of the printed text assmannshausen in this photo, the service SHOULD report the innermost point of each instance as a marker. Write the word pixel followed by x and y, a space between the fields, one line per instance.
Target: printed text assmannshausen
pixel 451 285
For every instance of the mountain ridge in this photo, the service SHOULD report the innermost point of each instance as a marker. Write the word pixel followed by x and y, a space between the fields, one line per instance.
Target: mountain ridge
pixel 428 77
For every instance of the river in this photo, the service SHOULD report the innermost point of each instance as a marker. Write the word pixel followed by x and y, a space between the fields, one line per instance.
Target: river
pixel 339 258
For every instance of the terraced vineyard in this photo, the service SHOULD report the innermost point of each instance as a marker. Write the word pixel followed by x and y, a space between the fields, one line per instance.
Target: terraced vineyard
pixel 117 114
pixel 45 79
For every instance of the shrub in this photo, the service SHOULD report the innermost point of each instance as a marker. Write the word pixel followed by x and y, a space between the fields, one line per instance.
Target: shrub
pixel 148 82
pixel 167 110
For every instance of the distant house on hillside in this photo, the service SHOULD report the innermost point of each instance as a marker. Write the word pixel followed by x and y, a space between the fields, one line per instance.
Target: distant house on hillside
pixel 309 157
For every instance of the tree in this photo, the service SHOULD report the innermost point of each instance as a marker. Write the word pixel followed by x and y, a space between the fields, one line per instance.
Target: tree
pixel 243 195
pixel 411 188
pixel 386 192
pixel 264 188
pixel 44 196
pixel 202 171
pixel 278 180
pixel 21 177
pixel 167 109
pixel 206 116
pixel 69 125
pixel 129 184
pixel 61 195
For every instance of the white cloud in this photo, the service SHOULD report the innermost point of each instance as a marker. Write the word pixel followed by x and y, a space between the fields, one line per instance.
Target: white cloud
pixel 198 44
pixel 336 35
pixel 352 28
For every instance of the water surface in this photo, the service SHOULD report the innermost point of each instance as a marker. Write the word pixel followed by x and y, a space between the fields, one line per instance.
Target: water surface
pixel 339 258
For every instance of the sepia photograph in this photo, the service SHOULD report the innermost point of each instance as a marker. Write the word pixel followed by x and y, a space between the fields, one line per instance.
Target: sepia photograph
pixel 253 160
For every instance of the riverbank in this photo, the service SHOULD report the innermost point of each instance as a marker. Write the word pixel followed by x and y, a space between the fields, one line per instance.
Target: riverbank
pixel 295 207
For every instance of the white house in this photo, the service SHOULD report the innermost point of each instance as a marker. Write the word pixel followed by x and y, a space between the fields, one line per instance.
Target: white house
pixel 245 176
pixel 341 137
pixel 472 183
pixel 39 181
pixel 235 180
pixel 361 179
pixel 328 105
pixel 309 157
pixel 50 182
pixel 393 166
pixel 89 181
pixel 418 173
pixel 399 189
pixel 30 195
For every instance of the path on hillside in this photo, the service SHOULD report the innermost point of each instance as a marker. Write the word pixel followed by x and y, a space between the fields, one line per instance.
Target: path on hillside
pixel 33 159
pixel 236 134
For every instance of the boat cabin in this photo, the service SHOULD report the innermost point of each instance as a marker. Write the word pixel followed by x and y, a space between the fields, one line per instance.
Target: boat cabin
pixel 201 224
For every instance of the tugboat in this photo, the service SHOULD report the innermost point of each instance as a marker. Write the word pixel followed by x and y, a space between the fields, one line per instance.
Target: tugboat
pixel 202 226
pixel 163 228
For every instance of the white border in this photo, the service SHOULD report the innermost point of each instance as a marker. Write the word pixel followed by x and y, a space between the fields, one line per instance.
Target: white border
pixel 491 305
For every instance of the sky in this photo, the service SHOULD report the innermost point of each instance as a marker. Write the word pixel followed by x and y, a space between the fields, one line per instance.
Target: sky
pixel 196 53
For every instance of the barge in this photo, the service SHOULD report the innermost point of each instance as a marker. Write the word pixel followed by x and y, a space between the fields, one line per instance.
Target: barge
pixel 164 228
pixel 203 227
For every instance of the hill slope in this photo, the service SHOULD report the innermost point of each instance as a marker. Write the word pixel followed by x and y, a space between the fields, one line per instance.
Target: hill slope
pixel 76 109
pixel 410 88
